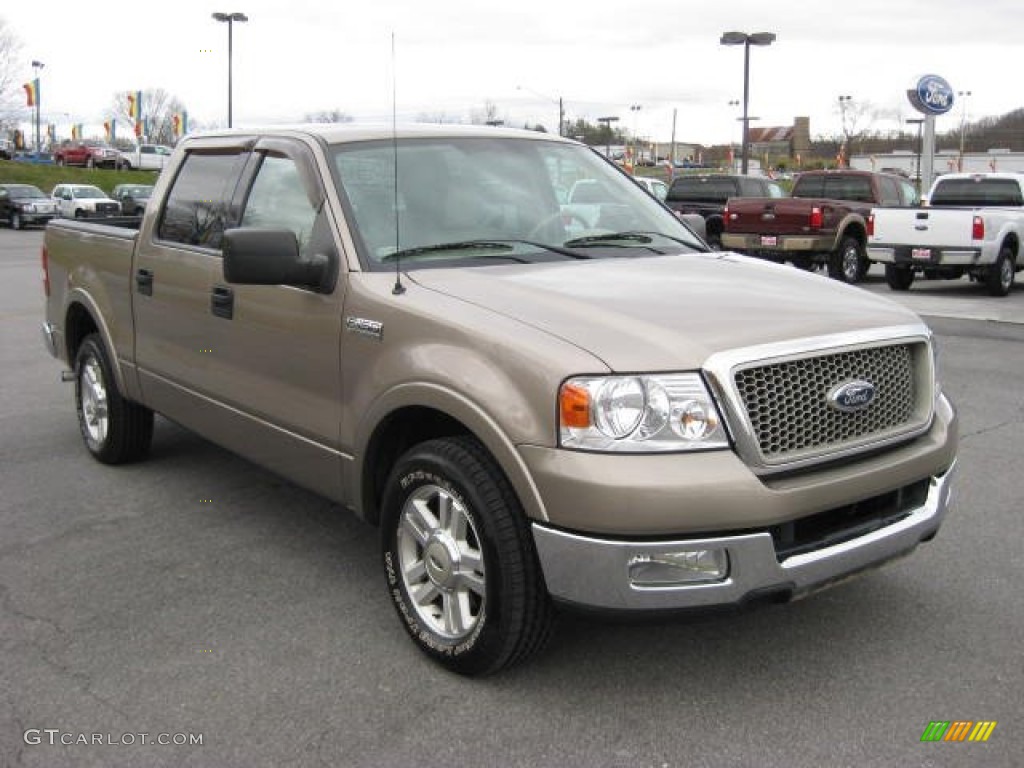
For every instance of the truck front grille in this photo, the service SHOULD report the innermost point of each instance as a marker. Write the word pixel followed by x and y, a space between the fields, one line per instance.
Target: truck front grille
pixel 788 409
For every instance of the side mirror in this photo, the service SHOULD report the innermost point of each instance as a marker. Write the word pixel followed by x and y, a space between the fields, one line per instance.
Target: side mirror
pixel 262 256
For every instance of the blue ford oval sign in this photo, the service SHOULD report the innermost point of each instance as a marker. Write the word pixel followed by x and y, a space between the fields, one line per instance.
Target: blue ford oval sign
pixel 932 95
pixel 852 396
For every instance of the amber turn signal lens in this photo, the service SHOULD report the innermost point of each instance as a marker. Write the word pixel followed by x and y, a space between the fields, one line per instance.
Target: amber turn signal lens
pixel 574 406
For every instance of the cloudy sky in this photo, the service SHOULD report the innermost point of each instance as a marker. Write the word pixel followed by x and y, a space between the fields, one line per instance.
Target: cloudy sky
pixel 454 56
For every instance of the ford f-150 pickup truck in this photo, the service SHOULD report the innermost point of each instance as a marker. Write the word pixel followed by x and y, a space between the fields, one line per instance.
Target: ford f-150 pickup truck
pixel 973 225
pixel 535 411
pixel 824 221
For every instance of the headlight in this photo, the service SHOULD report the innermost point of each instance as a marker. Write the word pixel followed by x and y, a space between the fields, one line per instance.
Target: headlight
pixel 639 414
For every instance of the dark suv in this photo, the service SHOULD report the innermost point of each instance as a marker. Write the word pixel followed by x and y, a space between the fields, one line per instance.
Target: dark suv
pixel 706 193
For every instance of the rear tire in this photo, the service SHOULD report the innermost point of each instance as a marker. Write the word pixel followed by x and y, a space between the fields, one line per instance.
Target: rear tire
pixel 848 263
pixel 459 559
pixel 899 278
pixel 115 430
pixel 999 278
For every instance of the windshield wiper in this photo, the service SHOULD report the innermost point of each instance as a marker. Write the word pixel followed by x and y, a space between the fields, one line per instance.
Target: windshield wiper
pixel 471 245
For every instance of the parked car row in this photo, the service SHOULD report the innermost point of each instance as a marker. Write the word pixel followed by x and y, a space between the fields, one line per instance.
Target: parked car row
pixel 95 154
pixel 23 204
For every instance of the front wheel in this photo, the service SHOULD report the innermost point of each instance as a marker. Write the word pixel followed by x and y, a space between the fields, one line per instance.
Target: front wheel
pixel 999 278
pixel 115 430
pixel 848 262
pixel 459 559
pixel 899 278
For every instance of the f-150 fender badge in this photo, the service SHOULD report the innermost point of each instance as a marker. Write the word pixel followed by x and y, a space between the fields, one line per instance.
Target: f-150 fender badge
pixel 361 325
pixel 852 396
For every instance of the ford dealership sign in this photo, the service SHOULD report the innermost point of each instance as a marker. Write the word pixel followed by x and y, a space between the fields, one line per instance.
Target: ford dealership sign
pixel 932 95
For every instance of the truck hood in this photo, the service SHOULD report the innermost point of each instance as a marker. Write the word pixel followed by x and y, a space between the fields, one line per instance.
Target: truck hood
pixel 668 312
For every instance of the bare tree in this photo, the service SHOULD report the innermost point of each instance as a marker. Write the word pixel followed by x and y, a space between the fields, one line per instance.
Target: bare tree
pixel 856 119
pixel 436 117
pixel 328 116
pixel 158 110
pixel 12 99
pixel 488 115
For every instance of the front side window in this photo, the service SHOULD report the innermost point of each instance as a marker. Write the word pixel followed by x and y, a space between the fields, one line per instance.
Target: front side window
pixel 198 203
pixel 277 200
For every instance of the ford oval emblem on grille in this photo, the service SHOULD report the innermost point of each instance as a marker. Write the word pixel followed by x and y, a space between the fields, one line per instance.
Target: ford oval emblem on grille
pixel 852 396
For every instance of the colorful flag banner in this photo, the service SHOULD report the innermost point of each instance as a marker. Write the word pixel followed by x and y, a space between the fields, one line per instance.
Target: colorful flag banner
pixel 110 130
pixel 138 129
pixel 180 121
pixel 32 93
pixel 77 132
pixel 135 105
pixel 51 133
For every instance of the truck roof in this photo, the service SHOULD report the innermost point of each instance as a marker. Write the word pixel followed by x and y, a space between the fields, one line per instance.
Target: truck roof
pixel 335 133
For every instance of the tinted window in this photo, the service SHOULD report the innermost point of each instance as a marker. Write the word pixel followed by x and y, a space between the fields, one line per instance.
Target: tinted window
pixel 277 200
pixel 977 191
pixel 890 190
pixel 707 188
pixel 809 186
pixel 849 188
pixel 199 201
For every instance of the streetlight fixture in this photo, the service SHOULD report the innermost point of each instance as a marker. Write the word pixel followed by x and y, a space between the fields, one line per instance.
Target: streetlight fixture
pixel 608 134
pixel 37 66
pixel 746 40
pixel 561 108
pixel 844 148
pixel 230 19
pixel 963 127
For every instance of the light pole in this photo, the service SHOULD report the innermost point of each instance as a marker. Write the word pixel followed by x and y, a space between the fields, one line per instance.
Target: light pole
pixel 230 18
pixel 918 121
pixel 732 160
pixel 746 40
pixel 37 66
pixel 963 127
pixel 844 148
pixel 635 109
pixel 608 134
pixel 561 107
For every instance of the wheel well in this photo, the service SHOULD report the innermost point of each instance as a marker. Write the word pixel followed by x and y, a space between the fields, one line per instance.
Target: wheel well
pixel 394 436
pixel 1012 243
pixel 856 231
pixel 77 326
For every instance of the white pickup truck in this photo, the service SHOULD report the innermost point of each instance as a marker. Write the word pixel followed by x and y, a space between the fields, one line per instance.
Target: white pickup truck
pixel 972 225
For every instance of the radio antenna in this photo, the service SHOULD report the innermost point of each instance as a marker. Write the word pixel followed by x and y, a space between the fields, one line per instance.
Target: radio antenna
pixel 399 289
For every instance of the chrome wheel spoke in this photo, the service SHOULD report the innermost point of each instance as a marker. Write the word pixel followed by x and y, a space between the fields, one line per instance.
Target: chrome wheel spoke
pixel 457 616
pixel 418 521
pixel 473 582
pixel 424 593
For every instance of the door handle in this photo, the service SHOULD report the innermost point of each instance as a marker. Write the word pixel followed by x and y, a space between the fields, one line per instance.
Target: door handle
pixel 222 301
pixel 144 281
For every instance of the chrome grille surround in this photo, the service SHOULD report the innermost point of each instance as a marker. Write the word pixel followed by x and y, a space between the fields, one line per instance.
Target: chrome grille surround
pixel 774 397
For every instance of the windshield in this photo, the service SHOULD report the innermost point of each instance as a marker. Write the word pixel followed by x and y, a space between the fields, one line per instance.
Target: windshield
pixel 87 192
pixel 24 190
pixel 479 200
pixel 136 191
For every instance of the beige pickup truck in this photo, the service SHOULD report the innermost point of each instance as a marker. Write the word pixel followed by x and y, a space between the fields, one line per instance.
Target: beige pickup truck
pixel 536 409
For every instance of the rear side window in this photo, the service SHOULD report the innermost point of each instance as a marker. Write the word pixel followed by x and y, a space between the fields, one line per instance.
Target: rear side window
pixel 849 188
pixel 198 202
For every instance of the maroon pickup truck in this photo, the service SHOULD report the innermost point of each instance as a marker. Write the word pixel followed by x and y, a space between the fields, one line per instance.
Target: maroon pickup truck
pixel 823 222
pixel 91 154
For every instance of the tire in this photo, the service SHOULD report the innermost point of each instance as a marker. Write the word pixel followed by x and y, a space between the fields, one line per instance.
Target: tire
pixel 899 278
pixel 459 559
pixel 999 277
pixel 16 222
pixel 115 430
pixel 848 263
pixel 79 213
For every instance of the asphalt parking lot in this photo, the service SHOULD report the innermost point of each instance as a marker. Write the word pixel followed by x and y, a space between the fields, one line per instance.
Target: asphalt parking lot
pixel 198 597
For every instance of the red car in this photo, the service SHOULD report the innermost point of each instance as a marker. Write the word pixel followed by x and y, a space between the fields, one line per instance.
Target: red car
pixel 91 154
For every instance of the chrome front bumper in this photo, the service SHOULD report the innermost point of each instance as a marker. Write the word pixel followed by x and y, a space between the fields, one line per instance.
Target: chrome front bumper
pixel 594 572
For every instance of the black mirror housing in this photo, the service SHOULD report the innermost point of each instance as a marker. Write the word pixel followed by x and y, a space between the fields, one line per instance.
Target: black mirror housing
pixel 264 256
